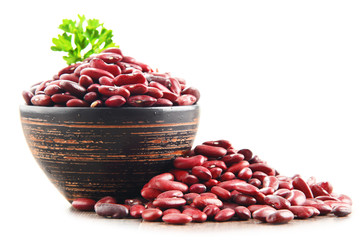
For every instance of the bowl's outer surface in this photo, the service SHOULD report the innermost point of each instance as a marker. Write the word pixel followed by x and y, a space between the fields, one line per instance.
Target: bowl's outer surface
pixel 93 153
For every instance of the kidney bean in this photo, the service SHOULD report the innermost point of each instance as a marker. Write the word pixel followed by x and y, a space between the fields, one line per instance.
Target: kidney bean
pixel 115 101
pixel 189 162
pixel 271 181
pixel 161 87
pixel 136 89
pixel 154 92
pixel 224 215
pixel 107 199
pixel 83 204
pixel 255 182
pixel 27 95
pixel 230 159
pixel 196 215
pixel 326 186
pixel 277 201
pixel 300 184
pixel 302 211
pixel 163 176
pixel 171 210
pixel 53 89
pixel 280 217
pixel 172 97
pixel 106 81
pixel 245 174
pixel 141 101
pixel 222 193
pixel 176 218
pixel 183 100
pixel 247 153
pixel 215 172
pixel 77 103
pixel 230 151
pixel 215 163
pixel 172 202
pixel 90 97
pixel 324 198
pixel 136 211
pixel 342 211
pixel 202 201
pixel 210 183
pixel 192 91
pixel 259 175
pixel 267 190
pixel 319 205
pixel 100 64
pixel 197 188
pixel 69 69
pixel 237 167
pixel 189 197
pixel 85 81
pixel 210 151
pixel 71 77
pixel 73 88
pixel 262 213
pixel 41 100
pixel 113 91
pixel 211 211
pixel 93 88
pixel 113 50
pixel 285 185
pixel 201 172
pixel 96 103
pixel 108 57
pixel 170 194
pixel 179 174
pixel 253 208
pixel 317 190
pixel 126 79
pixel 165 185
pixel 231 184
pixel 263 168
pixel 61 98
pixel 96 73
pixel 150 193
pixel 344 198
pixel 111 210
pixel 174 86
pixel 243 199
pixel 227 176
pixel 151 214
pixel 163 102
pixel 218 143
pixel 242 213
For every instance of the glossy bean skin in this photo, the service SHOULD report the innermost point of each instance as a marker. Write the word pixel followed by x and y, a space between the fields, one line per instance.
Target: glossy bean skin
pixel 296 197
pixel 115 101
pixel 77 103
pixel 166 185
pixel 196 215
pixel 263 168
pixel 112 210
pixel 197 188
pixel 222 193
pixel 27 95
pixel 53 89
pixel 176 218
pixel 300 184
pixel 171 194
pixel 201 172
pixel 125 79
pixel 302 212
pixel 243 199
pixel 83 204
pixel 242 213
pixel 271 181
pixel 95 73
pixel 247 153
pixel 113 91
pixel 136 211
pixel 277 201
pixel 107 199
pixel 172 202
pixel 151 214
pixel 342 211
pixel 280 217
pixel 189 197
pixel 211 211
pixel 224 215
pixel 262 213
pixel 85 81
pixel 73 88
pixel 189 162
pixel 171 210
pixel 230 159
pixel 184 100
pixel 41 100
pixel 141 101
pixel 150 193
pixel 210 151
pixel 192 91
pixel 202 201
pixel 163 102
pixel 61 98
pixel 100 64
pixel 245 174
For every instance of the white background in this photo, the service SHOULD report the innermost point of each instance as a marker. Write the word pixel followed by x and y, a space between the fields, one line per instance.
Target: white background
pixel 278 77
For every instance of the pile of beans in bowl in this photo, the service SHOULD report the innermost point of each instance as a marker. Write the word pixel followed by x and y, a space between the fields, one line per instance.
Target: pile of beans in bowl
pixel 216 182
pixel 110 79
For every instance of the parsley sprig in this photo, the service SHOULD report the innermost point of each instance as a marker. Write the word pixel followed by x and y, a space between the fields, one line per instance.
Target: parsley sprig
pixel 80 42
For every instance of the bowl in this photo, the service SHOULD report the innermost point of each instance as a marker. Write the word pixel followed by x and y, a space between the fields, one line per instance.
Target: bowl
pixel 97 152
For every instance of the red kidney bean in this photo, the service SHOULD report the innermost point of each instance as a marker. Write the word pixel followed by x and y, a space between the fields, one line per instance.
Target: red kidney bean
pixel 163 102
pixel 189 162
pixel 83 204
pixel 161 87
pixel 166 185
pixel 141 101
pixel 215 172
pixel 40 88
pixel 242 213
pixel 245 174
pixel 189 197
pixel 73 88
pixel 125 79
pixel 280 217
pixel 334 204
pixel 260 175
pixel 326 186
pixel 115 101
pixel 90 97
pixel 342 211
pixel 183 100
pixel 171 96
pixel 317 190
pixel 231 184
pixel 211 211
pixel 154 92
pixel 179 174
pixel 224 215
pixel 93 88
pixel 255 182
pixel 111 210
pixel 77 103
pixel 85 81
pixel 267 190
pixel 170 194
pixel 150 193
pixel 302 211
pixel 222 193
pixel 262 213
pixel 215 163
pixel 253 208
pixel 61 98
pixel 296 197
pixel 324 198
pixel 277 202
pixel 190 179
pixel 27 95
pixel 300 184
pixel 263 168
pixel 247 153
pixel 133 201
pixel 196 215
pixel 201 172
pixel 80 67
pixel 344 198
pixel 202 201
pixel 96 73
pixel 210 183
pixel 227 176
pixel 176 218
pixel 243 199
pixel 163 176
pixel 169 202
pixel 108 57
pixel 237 167
pixel 136 89
pixel 41 100
pixel 151 214
pixel 69 69
pixel 285 185
pixel 174 86
pixel 106 81
pixel 171 210
pixel 230 159
pixel 107 199
pixel 271 181
pixel 100 64
pixel 210 151
pixel 136 211
pixel 219 143
pixel 113 91
pixel 71 77
pixel 197 188
pixel 192 91
pixel 53 89
pixel 113 50
pixel 208 194
pixel 230 151
pixel 319 205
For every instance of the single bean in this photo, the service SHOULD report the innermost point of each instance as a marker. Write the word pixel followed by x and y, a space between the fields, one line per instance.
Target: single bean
pixel 189 197
pixel 163 102
pixel 53 89
pixel 224 215
pixel 113 91
pixel 90 97
pixel 95 73
pixel 319 205
pixel 69 69
pixel 342 211
pixel 136 89
pixel 141 101
pixel 262 213
pixel 189 162
pixel 219 143
pixel 302 211
pixel 170 194
pixel 296 197
pixel 208 194
pixel 227 176
pixel 253 208
pixel 277 201
pixel 77 103
pixel 170 96
pixel 150 193
pixel 193 91
pixel 154 92
pixel 176 218
pixel 111 210
pixel 190 179
pixel 211 211
pixel 179 174
pixel 271 181
pixel 326 186
pixel 61 98
pixel 125 79
pixel 93 88
pixel 136 210
pixel 237 167
pixel 96 103
pixel 41 100
pixel 231 184
pixel 73 88
pixel 267 190
pixel 202 201
pixel 201 172
pixel 133 201
pixel 242 213
pixel 174 86
pixel 166 185
pixel 210 151
pixel 263 168
pixel 115 101
pixel 71 77
pixel 222 193
pixel 259 175
pixel 245 174
pixel 317 190
pixel 161 87
pixel 230 159
pixel 215 163
pixel 109 57
pixel 215 172
pixel 183 100
pixel 285 185
pixel 151 214
pixel 244 200
pixel 83 204
pixel 27 95
pixel 107 81
pixel 171 210
pixel 280 217
pixel 195 214
pixel 300 184
pixel 107 199
pixel 255 182
pixel 79 68
pixel 85 81
pixel 172 202
pixel 247 153
pixel 197 188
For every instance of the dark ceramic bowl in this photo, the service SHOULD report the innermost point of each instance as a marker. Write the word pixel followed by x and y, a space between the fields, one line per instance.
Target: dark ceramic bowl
pixel 97 152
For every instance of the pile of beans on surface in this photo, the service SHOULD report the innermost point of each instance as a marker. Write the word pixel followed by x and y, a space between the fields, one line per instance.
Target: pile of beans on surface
pixel 216 182
pixel 111 79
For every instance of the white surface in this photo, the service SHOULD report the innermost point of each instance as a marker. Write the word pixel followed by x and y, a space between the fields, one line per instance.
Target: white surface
pixel 279 77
